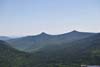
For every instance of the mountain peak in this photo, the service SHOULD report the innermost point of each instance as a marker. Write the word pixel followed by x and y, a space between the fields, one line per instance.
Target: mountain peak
pixel 75 31
pixel 43 34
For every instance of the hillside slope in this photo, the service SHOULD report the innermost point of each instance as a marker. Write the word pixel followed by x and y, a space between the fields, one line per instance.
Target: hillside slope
pixel 4 38
pixel 68 54
pixel 86 51
pixel 10 57
pixel 34 43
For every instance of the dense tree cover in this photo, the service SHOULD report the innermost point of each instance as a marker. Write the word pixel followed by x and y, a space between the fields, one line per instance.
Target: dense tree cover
pixel 34 43
pixel 73 54
pixel 10 57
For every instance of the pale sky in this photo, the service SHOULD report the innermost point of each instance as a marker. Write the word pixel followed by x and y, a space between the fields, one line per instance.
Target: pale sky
pixel 30 17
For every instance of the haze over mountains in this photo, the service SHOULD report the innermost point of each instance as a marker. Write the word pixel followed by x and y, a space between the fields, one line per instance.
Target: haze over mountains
pixel 69 49
pixel 33 43
pixel 4 38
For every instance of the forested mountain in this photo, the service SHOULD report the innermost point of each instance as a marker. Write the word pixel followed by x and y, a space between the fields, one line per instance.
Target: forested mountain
pixel 33 43
pixel 86 51
pixel 65 50
pixel 10 57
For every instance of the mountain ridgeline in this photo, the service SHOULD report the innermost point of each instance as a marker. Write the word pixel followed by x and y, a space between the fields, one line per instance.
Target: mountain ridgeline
pixel 66 50
pixel 34 43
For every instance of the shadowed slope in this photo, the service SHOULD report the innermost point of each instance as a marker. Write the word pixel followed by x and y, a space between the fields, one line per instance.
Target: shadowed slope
pixel 33 43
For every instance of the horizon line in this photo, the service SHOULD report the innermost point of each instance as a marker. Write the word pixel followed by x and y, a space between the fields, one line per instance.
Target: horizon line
pixel 46 33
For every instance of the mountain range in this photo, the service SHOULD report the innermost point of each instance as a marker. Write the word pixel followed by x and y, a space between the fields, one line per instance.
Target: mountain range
pixel 44 50
pixel 33 43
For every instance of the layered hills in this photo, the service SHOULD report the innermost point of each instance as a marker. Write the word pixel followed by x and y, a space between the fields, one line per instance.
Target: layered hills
pixel 33 43
pixel 44 50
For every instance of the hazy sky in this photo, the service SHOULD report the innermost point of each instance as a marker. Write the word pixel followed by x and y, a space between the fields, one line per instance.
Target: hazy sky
pixel 29 17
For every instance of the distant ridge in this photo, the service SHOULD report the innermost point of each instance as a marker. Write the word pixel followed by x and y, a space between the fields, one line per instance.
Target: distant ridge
pixel 33 43
pixel 4 38
pixel 43 50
